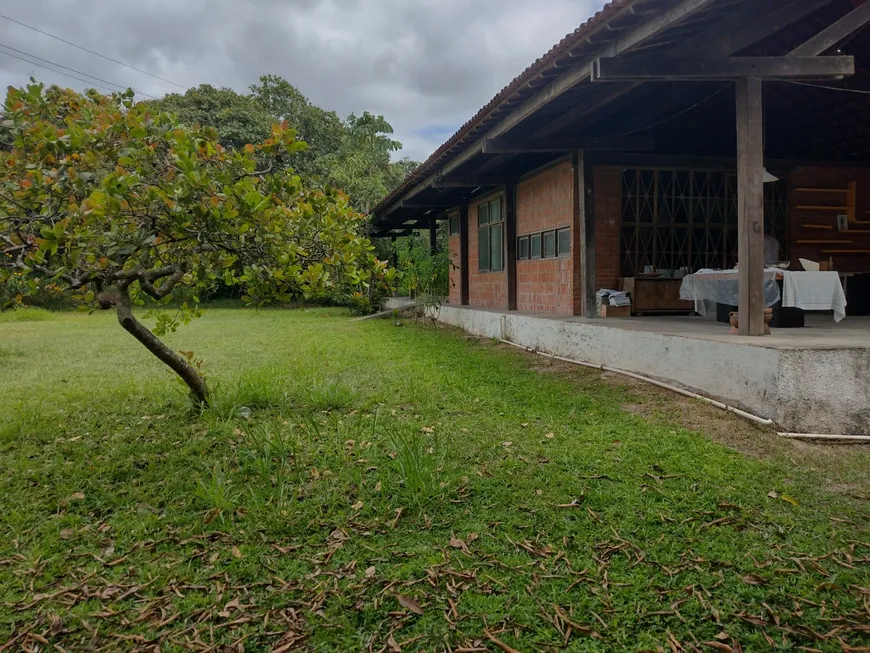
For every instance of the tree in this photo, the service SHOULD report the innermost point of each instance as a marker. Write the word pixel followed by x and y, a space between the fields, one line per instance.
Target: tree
pixel 321 129
pixel 116 203
pixel 239 119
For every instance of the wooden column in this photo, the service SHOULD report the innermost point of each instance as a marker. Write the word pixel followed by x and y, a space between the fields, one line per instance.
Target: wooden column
pixel 463 253
pixel 433 236
pixel 510 224
pixel 750 206
pixel 585 224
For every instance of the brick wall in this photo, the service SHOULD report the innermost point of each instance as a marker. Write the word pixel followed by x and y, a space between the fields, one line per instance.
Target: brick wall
pixel 485 289
pixel 608 220
pixel 546 201
pixel 858 234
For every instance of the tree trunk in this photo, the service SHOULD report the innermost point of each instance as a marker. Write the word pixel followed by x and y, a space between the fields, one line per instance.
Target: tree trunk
pixel 188 373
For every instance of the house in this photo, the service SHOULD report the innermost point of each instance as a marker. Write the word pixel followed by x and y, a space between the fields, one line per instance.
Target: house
pixel 660 138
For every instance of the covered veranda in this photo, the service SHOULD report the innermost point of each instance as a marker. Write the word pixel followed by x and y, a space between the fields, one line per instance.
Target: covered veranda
pixel 672 115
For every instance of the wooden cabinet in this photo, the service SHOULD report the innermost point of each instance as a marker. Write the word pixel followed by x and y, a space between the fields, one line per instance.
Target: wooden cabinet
pixel 655 295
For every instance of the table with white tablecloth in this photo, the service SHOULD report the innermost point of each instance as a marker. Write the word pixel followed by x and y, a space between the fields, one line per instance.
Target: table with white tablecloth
pixel 808 291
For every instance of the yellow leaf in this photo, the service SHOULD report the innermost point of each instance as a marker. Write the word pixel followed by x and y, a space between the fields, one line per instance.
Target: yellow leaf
pixel 788 499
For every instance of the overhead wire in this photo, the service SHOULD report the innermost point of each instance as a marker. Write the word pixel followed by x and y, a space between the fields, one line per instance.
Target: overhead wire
pixel 93 52
pixel 78 72
pixel 54 70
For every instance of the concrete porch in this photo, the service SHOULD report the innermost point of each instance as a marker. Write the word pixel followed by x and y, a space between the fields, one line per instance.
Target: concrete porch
pixel 815 379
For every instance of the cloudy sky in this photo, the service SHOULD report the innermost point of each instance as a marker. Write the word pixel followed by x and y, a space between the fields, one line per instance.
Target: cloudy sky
pixel 426 65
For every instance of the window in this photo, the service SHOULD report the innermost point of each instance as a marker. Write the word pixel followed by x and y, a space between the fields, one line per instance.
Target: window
pixel 454 225
pixel 522 248
pixel 490 237
pixel 563 236
pixel 535 245
pixel 549 240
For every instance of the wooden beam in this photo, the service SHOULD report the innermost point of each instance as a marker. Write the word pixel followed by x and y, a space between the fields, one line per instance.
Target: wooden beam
pixel 720 68
pixel 463 253
pixel 833 34
pixel 465 182
pixel 510 220
pixel 427 204
pixel 732 35
pixel 555 145
pixel 750 207
pixel 584 189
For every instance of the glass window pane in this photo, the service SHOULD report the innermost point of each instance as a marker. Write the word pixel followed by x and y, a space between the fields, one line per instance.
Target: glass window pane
pixel 549 244
pixel 564 244
pixel 454 225
pixel 495 211
pixel 482 215
pixel 483 249
pixel 496 248
pixel 523 248
pixel 535 241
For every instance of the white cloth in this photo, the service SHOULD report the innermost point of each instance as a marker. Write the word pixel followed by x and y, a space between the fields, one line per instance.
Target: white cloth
pixel 814 291
pixel 721 286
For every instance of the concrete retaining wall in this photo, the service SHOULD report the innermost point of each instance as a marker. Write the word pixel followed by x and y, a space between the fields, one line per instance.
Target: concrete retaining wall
pixel 803 390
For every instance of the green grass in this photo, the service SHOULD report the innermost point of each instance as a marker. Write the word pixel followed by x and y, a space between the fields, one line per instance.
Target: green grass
pixel 345 466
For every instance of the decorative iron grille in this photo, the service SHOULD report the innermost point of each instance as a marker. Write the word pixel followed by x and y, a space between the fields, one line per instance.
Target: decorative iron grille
pixel 688 218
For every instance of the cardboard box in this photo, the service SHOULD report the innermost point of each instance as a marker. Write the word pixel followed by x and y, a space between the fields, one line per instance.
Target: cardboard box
pixel 614 311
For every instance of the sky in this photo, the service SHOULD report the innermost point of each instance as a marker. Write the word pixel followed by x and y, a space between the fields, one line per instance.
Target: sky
pixel 426 65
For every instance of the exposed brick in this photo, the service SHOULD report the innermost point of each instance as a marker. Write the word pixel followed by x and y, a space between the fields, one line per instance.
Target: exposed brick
pixel 546 201
pixel 607 191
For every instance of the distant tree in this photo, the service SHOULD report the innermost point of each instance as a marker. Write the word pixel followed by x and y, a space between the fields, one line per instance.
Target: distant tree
pixel 321 129
pixel 116 203
pixel 239 119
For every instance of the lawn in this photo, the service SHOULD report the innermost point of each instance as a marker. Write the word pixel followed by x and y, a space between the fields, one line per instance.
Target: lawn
pixel 365 486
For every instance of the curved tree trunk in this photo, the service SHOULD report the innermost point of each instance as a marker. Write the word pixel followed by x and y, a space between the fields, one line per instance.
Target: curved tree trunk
pixel 121 301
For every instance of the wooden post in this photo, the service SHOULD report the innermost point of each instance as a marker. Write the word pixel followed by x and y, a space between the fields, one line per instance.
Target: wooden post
pixel 463 253
pixel 510 222
pixel 433 236
pixel 585 224
pixel 750 206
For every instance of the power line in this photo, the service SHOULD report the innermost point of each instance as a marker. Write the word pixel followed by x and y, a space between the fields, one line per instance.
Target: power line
pixel 829 88
pixel 79 72
pixel 60 72
pixel 97 54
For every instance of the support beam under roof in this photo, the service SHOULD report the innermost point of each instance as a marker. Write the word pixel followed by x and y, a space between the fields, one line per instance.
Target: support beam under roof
pixel 720 68
pixel 833 34
pixel 555 145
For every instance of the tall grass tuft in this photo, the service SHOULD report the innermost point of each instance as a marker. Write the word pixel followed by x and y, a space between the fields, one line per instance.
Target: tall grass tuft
pixel 26 314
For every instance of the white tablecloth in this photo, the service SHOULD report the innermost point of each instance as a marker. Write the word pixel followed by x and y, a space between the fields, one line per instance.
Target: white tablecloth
pixel 814 291
pixel 810 291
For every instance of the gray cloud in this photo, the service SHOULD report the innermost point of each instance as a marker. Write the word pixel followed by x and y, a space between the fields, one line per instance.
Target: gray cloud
pixel 427 65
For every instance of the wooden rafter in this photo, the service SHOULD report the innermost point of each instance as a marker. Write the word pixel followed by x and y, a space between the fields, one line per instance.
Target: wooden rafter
pixel 835 33
pixel 519 146
pixel 720 68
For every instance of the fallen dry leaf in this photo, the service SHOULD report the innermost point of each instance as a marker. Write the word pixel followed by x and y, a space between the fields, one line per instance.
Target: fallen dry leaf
pixel 550 436
pixel 236 552
pixel 719 646
pixel 773 494
pixel 66 533
pixel 788 499
pixel 507 444
pixel 370 572
pixel 77 496
pixel 378 486
pixel 409 603
pixel 357 506
pixel 752 579
pixel 427 429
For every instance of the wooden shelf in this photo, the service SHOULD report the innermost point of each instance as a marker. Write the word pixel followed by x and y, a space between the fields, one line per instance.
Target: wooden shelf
pixel 824 242
pixel 804 207
pixel 846 251
pixel 822 190
pixel 848 209
pixel 817 226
